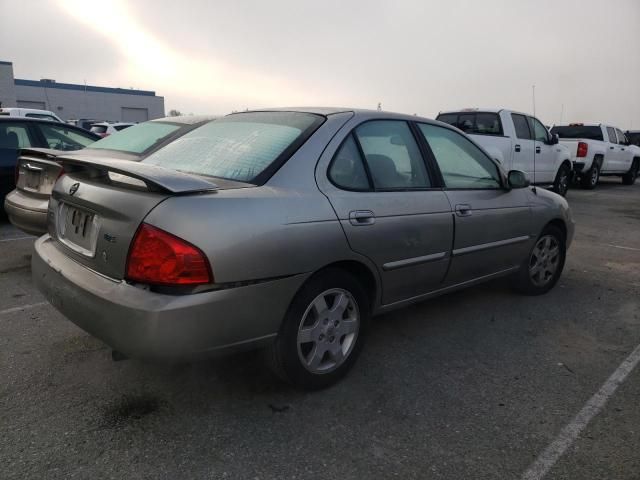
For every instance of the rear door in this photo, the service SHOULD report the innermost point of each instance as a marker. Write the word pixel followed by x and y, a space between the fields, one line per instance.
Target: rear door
pixel 523 146
pixel 390 207
pixel 492 224
pixel 545 152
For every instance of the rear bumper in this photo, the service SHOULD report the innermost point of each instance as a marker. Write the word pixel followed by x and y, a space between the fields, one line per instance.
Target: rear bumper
pixel 143 324
pixel 27 213
pixel 578 168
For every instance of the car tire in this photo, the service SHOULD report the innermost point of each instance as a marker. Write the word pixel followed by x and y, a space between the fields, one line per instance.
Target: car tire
pixel 562 181
pixel 543 266
pixel 323 331
pixel 629 178
pixel 590 178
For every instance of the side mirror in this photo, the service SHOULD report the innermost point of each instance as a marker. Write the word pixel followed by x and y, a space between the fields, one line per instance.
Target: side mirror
pixel 517 179
pixel 554 139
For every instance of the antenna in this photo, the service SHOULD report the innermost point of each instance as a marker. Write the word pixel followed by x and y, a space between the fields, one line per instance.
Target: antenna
pixel 533 91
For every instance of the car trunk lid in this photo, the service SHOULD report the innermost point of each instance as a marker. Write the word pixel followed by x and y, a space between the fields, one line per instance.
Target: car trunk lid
pixel 37 171
pixel 97 206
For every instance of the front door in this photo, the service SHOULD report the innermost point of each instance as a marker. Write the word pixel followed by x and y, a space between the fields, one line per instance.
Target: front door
pixel 611 161
pixel 492 224
pixel 384 196
pixel 523 147
pixel 545 152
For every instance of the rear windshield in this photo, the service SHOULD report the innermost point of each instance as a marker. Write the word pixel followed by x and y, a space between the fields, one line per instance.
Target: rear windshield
pixel 121 127
pixel 578 131
pixel 247 147
pixel 474 123
pixel 99 128
pixel 138 138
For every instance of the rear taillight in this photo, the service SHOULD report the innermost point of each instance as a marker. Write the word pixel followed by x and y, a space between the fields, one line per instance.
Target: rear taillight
pixel 583 148
pixel 160 258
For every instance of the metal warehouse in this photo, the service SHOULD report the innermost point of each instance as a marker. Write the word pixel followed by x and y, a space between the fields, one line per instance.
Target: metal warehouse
pixel 72 101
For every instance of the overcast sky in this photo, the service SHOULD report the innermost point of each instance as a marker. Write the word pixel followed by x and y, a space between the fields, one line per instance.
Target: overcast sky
pixel 413 56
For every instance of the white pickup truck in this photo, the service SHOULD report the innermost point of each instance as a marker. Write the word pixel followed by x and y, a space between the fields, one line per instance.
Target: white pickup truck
pixel 598 150
pixel 519 142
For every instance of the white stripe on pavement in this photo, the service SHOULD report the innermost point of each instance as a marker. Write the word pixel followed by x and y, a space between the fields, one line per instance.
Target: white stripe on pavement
pixel 623 248
pixel 570 433
pixel 16 238
pixel 23 307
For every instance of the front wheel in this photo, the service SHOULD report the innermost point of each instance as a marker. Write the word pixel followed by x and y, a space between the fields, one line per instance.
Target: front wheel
pixel 629 178
pixel 322 332
pixel 563 177
pixel 543 268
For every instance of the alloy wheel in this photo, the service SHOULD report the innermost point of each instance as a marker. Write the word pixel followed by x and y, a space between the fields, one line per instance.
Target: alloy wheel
pixel 544 261
pixel 328 330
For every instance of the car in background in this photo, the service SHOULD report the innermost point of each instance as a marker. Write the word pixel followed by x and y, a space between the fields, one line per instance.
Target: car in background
pixel 634 137
pixel 519 142
pixel 104 129
pixel 27 132
pixel 37 169
pixel 599 150
pixel 30 113
pixel 287 230
pixel 85 123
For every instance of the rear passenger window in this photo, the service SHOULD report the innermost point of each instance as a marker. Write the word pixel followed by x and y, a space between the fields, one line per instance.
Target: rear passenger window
pixel 621 138
pixel 392 155
pixel 462 163
pixel 347 170
pixel 521 126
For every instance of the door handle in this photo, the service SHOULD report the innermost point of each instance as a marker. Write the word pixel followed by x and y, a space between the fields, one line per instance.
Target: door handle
pixel 463 210
pixel 517 148
pixel 610 148
pixel 360 218
pixel 33 168
pixel 622 149
pixel 537 149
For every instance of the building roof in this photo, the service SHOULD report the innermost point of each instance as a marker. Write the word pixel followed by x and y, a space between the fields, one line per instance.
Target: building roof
pixel 83 88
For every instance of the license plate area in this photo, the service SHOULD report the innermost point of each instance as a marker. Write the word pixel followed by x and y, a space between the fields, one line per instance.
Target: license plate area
pixel 77 229
pixel 32 180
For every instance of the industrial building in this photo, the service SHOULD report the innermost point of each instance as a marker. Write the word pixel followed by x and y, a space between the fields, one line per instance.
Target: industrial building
pixel 73 101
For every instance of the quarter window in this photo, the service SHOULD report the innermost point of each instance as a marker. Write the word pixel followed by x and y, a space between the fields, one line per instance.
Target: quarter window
pixel 392 155
pixel 463 164
pixel 521 125
pixel 347 169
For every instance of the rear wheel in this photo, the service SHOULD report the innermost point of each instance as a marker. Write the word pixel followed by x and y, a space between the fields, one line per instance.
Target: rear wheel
pixel 543 268
pixel 629 178
pixel 322 332
pixel 563 178
pixel 591 177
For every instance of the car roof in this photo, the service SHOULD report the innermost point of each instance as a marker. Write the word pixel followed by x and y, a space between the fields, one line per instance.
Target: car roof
pixel 186 119
pixel 8 118
pixel 359 112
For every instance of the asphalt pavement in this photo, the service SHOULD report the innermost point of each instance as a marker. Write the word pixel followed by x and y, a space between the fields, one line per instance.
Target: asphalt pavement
pixel 473 385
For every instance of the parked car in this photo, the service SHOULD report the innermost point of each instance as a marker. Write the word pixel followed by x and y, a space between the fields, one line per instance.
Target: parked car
pixel 25 132
pixel 85 123
pixel 519 142
pixel 38 169
pixel 104 129
pixel 634 137
pixel 288 229
pixel 598 150
pixel 30 113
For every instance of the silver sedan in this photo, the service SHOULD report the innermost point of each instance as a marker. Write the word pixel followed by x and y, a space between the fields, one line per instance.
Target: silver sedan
pixel 288 230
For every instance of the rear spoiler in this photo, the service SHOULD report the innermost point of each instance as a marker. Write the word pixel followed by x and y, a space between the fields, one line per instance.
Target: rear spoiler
pixel 156 178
